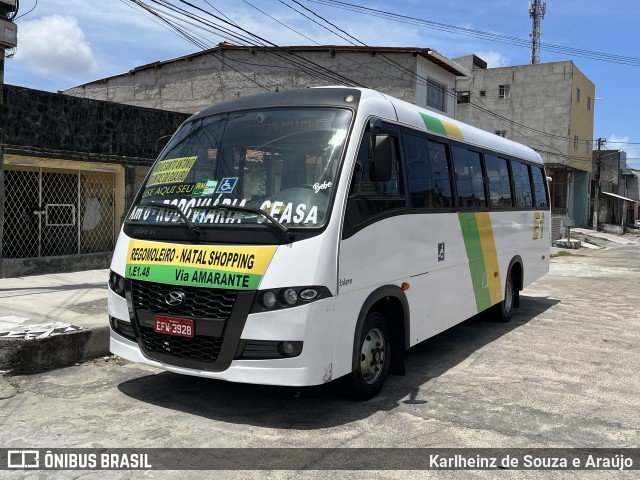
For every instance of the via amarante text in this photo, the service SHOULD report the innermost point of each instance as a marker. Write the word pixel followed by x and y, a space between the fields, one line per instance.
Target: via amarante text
pixel 218 279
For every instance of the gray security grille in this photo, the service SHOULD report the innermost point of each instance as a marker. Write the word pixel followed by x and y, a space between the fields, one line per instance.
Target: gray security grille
pixel 52 212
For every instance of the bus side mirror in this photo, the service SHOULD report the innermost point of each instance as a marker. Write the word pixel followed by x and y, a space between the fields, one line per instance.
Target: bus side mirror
pixel 381 158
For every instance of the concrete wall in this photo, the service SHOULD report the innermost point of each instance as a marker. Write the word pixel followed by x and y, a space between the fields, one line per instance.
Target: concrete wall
pixel 197 81
pixel 43 120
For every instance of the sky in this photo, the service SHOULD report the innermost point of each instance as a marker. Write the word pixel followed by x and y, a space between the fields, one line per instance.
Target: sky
pixel 64 43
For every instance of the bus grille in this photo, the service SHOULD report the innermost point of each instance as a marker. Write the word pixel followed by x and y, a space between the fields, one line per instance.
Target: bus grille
pixel 199 302
pixel 200 348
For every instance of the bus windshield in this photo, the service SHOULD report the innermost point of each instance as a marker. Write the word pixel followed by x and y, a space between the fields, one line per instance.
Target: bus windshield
pixel 283 161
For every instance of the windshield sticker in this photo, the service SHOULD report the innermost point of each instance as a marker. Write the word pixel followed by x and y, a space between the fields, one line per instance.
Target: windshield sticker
pixel 227 184
pixel 234 268
pixel 173 170
pixel 204 188
pixel 286 213
pixel 321 186
pixel 195 209
pixel 168 190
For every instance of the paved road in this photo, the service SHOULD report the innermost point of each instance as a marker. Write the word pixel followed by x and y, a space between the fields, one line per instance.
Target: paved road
pixel 563 373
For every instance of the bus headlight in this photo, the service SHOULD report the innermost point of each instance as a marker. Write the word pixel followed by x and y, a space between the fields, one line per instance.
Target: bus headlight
pixel 269 299
pixel 274 299
pixel 116 283
pixel 290 296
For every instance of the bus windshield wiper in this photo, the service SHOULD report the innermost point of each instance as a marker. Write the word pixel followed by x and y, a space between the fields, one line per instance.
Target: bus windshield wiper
pixel 173 208
pixel 257 211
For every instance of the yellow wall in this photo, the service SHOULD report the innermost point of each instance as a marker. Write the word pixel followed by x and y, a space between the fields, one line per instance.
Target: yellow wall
pixel 581 120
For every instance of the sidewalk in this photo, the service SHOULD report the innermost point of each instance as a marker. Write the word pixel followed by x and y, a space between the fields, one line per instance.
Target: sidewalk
pixel 35 309
pixel 619 239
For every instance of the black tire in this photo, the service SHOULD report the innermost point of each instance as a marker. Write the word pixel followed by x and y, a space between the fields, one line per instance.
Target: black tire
pixel 504 309
pixel 374 357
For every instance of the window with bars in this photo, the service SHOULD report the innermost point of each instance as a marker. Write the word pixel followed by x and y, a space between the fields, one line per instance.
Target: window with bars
pixel 54 212
pixel 436 95
pixel 505 91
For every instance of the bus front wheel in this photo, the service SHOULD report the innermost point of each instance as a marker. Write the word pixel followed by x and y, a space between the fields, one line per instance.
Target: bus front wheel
pixel 374 352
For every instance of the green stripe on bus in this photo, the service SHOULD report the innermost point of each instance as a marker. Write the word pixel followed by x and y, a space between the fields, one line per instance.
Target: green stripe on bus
pixel 193 276
pixel 433 124
pixel 473 246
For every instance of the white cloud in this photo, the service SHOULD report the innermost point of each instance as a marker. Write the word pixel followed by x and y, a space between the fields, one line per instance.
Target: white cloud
pixel 620 142
pixel 616 139
pixel 493 59
pixel 55 45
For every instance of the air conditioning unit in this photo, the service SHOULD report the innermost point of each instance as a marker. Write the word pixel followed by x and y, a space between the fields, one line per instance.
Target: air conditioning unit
pixel 8 34
pixel 8 8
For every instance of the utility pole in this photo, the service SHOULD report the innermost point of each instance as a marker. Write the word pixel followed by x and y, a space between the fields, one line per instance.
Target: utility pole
pixel 596 204
pixel 8 39
pixel 537 9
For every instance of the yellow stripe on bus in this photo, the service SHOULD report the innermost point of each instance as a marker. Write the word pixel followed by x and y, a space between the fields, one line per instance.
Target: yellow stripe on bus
pixel 452 130
pixel 488 243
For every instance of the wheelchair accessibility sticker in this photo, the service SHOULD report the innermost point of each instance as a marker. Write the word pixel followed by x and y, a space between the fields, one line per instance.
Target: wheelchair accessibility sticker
pixel 227 185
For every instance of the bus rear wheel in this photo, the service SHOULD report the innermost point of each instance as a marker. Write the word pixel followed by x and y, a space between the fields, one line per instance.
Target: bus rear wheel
pixel 374 353
pixel 504 309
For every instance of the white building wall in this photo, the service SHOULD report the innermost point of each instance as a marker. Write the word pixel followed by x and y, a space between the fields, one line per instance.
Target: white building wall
pixel 429 70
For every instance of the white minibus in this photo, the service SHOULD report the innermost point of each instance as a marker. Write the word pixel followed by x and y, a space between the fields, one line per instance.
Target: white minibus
pixel 304 236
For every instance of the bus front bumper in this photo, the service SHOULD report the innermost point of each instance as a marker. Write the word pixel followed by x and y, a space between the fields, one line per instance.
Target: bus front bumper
pixel 308 324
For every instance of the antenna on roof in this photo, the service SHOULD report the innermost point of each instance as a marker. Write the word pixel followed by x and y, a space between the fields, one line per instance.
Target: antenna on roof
pixel 537 9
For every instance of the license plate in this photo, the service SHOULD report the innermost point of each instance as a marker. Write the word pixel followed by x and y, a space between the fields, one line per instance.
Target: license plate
pixel 179 327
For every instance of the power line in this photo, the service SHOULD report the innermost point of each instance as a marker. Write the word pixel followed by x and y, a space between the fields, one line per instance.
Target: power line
pixel 326 73
pixel 242 35
pixel 386 59
pixel 578 52
pixel 191 38
pixel 267 42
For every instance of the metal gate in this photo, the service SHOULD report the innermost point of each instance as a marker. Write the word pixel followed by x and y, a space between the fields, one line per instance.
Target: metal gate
pixel 53 212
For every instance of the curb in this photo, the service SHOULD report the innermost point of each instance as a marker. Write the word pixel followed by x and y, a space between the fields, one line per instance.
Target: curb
pixel 20 356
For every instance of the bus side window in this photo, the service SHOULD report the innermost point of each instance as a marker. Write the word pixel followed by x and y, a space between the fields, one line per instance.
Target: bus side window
pixel 440 175
pixel 469 180
pixel 539 188
pixel 428 172
pixel 418 171
pixel 499 182
pixel 522 184
pixel 373 198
